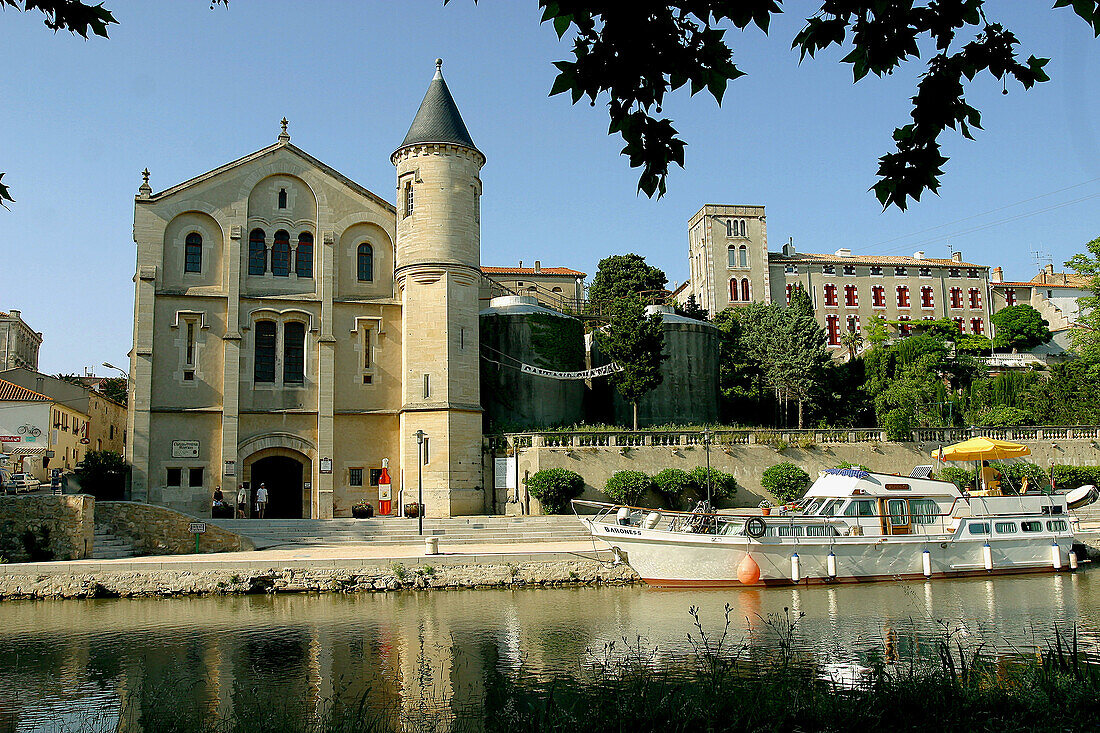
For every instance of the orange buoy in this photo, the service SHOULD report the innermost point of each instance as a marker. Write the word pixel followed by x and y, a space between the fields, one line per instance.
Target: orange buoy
pixel 748 572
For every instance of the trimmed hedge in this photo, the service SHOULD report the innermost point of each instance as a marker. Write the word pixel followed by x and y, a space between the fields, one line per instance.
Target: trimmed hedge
pixel 785 481
pixel 673 483
pixel 555 488
pixel 723 485
pixel 628 487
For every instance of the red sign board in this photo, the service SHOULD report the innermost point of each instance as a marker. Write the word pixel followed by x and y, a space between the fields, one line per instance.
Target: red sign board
pixel 11 439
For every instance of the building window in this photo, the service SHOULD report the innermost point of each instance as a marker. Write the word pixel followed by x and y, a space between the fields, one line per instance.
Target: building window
pixel 878 296
pixel 294 352
pixel 190 347
pixel 365 262
pixel 953 272
pixel 876 271
pixel 972 272
pixel 264 367
pixel 195 477
pixel 257 253
pixel 427 453
pixel 830 295
pixel 975 298
pixel 853 324
pixel 958 324
pixel 851 296
pixel 366 348
pixel 903 296
pixel 173 477
pixel 849 269
pixel 976 326
pixel 927 297
pixel 733 290
pixel 408 198
pixel 790 269
pixel 303 258
pixel 192 261
pixel 745 294
pixel 729 227
pixel 282 198
pixel 427 386
pixel 832 329
pixel 1010 296
pixel 731 253
pixel 280 254
pixel 900 272
pixel 956 297
pixel 828 269
pixel 743 250
pixel 355 477
pixel 906 329
pixel 925 272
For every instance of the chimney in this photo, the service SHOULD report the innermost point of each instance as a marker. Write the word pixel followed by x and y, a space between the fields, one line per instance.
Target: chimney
pixel 788 248
pixel 997 275
pixel 918 255
pixel 1047 268
pixel 843 252
pixel 15 314
pixel 957 256
pixel 521 263
pixel 538 266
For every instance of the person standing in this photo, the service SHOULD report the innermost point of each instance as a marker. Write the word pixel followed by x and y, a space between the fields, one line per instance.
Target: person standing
pixel 242 503
pixel 261 501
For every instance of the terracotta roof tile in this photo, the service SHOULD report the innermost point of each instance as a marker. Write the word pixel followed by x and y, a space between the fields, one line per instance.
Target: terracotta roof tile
pixel 9 391
pixel 1012 284
pixel 1062 279
pixel 531 271
pixel 871 260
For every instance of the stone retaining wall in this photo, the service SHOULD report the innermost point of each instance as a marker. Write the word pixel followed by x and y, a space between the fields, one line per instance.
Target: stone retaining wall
pixel 157 530
pixel 41 528
pixel 166 583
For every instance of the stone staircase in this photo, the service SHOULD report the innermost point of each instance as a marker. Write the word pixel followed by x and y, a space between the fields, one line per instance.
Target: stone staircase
pixel 399 531
pixel 107 546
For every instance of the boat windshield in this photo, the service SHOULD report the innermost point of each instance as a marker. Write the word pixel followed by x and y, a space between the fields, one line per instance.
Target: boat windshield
pixel 830 508
pixel 811 506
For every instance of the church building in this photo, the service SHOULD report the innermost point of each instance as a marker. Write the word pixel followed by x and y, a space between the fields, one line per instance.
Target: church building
pixel 294 329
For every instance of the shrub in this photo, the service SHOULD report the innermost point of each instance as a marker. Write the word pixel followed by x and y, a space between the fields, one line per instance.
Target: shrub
pixel 845 464
pixel 898 425
pixel 672 483
pixel 102 473
pixel 628 487
pixel 1003 416
pixel 958 476
pixel 723 485
pixel 785 481
pixel 1070 477
pixel 555 488
pixel 1015 473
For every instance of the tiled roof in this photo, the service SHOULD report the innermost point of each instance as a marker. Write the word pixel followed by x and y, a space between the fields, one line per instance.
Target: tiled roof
pixel 14 392
pixel 438 119
pixel 1062 279
pixel 870 260
pixel 532 271
pixel 1012 284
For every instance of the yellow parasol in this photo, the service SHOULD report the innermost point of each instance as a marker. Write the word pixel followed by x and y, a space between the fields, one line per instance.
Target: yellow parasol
pixel 981 449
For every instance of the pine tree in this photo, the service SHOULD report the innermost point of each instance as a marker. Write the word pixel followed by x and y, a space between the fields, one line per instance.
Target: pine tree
pixel 636 343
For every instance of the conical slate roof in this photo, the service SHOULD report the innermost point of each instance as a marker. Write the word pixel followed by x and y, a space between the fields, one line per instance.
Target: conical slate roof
pixel 438 119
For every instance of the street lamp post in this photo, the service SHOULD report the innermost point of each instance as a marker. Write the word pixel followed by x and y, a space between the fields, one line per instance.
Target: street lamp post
pixel 420 480
pixel 706 449
pixel 112 366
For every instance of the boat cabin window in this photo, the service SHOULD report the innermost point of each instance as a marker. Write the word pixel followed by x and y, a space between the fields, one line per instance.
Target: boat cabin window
pixel 812 506
pixel 979 527
pixel 1057 525
pixel 830 508
pixel 860 508
pixel 1031 526
pixel 1005 527
pixel 820 530
pixel 790 531
pixel 924 511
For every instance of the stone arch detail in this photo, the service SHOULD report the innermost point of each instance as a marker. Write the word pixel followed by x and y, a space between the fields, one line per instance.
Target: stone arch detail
pixel 248 448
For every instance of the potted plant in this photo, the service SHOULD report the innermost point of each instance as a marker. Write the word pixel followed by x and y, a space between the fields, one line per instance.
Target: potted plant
pixel 765 507
pixel 362 510
pixel 412 511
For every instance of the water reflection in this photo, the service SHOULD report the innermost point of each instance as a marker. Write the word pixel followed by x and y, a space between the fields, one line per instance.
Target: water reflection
pixel 414 651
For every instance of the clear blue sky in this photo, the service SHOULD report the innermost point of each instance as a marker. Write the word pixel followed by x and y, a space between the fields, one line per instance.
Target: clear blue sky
pixel 182 89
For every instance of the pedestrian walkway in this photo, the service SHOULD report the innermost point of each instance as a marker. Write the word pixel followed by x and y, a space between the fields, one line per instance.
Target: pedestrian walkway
pixel 337 557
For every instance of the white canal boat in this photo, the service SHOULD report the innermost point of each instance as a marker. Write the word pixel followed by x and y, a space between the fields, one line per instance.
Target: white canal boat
pixel 851 526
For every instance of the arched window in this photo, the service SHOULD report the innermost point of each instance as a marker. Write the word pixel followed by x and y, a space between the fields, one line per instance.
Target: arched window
pixel 294 352
pixel 743 228
pixel 731 255
pixel 264 366
pixel 927 299
pixel 733 290
pixel 830 295
pixel 282 198
pixel 192 260
pixel 280 254
pixel 555 289
pixel 744 251
pixel 903 297
pixel 365 262
pixel 257 253
pixel 303 260
pixel 745 289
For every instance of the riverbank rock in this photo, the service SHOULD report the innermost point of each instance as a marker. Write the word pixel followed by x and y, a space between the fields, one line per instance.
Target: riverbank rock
pixel 368 579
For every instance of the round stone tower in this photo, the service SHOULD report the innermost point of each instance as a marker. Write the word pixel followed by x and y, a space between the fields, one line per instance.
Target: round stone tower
pixel 438 276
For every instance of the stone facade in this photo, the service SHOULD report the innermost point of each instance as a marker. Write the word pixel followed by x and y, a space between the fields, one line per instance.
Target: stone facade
pixel 19 343
pixel 292 329
pixel 37 528
pixel 157 530
pixel 731 266
pixel 556 287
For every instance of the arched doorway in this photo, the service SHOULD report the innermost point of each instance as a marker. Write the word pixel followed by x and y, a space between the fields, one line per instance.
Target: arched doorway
pixel 283 478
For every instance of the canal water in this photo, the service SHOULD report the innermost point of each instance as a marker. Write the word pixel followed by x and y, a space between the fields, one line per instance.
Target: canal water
pixel 80 665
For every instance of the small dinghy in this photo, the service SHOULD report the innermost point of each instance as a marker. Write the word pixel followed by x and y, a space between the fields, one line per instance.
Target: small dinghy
pixel 1082 496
